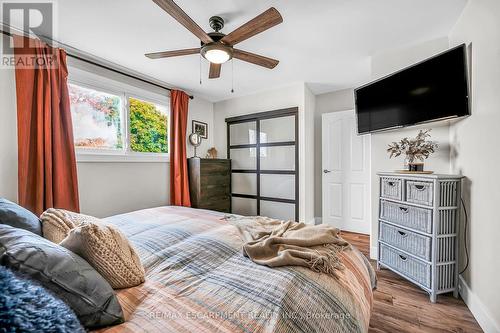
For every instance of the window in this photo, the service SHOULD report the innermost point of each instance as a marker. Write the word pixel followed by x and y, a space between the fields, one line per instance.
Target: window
pixel 117 124
pixel 148 126
pixel 97 118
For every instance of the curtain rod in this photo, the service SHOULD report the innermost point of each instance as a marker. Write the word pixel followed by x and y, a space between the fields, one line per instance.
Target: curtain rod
pixel 106 67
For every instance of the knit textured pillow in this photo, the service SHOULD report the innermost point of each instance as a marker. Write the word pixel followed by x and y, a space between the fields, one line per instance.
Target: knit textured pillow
pixel 106 249
pixel 57 223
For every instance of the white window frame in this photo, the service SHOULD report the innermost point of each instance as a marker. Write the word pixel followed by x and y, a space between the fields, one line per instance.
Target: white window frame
pixel 124 91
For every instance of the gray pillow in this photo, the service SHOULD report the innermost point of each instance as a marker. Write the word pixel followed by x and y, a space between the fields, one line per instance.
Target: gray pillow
pixel 19 217
pixel 64 273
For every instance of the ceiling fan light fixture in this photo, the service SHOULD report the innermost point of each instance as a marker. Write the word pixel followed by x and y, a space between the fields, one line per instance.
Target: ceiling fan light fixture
pixel 217 53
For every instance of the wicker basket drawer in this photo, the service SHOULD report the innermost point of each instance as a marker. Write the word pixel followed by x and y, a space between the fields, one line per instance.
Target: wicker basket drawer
pixel 406 265
pixel 407 216
pixel 420 192
pixel 391 188
pixel 406 240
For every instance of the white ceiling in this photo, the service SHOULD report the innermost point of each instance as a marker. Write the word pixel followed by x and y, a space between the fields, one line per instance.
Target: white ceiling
pixel 326 43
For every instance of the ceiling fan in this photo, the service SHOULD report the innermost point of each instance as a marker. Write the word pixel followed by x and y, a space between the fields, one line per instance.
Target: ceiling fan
pixel 217 47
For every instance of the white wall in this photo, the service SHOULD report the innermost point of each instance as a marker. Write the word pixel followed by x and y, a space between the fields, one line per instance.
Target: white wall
pixel 476 145
pixel 8 135
pixel 112 188
pixel 201 110
pixel 293 95
pixel 388 61
pixel 105 188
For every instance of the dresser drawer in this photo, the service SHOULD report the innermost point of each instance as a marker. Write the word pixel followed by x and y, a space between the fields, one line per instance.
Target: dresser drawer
pixel 419 192
pixel 391 188
pixel 209 166
pixel 220 204
pixel 407 216
pixel 411 267
pixel 208 191
pixel 222 178
pixel 405 240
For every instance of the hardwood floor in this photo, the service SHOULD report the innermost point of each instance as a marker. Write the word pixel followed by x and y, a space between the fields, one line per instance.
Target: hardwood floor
pixel 400 306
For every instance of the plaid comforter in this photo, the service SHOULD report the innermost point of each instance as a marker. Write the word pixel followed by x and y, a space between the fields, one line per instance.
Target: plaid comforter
pixel 197 280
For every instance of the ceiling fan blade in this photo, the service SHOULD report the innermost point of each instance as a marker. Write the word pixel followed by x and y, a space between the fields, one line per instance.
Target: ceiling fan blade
pixel 255 59
pixel 177 13
pixel 214 71
pixel 168 54
pixel 264 21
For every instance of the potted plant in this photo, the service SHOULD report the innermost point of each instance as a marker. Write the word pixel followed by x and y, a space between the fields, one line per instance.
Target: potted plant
pixel 415 150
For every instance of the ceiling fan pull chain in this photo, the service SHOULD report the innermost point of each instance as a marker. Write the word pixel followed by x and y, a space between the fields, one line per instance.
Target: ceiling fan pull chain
pixel 232 74
pixel 200 69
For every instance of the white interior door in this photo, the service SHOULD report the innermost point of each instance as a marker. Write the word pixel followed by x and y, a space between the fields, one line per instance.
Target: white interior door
pixel 346 173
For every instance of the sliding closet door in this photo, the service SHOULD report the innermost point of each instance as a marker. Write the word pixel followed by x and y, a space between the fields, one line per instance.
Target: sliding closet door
pixel 263 149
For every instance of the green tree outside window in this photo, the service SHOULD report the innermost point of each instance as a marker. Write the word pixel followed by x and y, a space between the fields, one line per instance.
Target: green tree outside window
pixel 148 127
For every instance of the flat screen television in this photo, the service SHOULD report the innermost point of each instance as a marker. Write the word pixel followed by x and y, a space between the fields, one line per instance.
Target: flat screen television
pixel 433 89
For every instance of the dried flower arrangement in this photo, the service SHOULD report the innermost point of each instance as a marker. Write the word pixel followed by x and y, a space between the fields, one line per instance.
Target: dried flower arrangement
pixel 418 148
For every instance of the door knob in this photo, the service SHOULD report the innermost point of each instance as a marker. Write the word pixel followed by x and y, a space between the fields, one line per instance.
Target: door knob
pixel 326 171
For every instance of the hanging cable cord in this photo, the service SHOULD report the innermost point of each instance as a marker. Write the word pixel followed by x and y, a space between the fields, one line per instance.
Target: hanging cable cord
pixel 465 237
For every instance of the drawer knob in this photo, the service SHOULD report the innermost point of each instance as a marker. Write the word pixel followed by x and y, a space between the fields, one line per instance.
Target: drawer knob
pixel 420 187
pixel 391 184
pixel 404 209
pixel 402 233
pixel 402 257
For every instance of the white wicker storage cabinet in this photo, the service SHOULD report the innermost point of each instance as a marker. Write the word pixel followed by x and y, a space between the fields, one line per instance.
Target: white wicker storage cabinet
pixel 419 228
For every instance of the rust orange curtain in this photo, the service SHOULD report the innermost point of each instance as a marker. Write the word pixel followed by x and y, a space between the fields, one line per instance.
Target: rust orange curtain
pixel 179 181
pixel 46 154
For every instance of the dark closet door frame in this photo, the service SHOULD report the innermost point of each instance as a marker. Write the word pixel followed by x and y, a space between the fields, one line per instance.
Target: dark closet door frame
pixel 257 117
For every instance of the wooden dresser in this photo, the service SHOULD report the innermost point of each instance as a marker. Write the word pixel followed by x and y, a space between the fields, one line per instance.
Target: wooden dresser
pixel 210 183
pixel 418 229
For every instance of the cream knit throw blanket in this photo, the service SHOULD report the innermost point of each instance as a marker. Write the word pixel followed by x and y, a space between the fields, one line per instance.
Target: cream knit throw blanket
pixel 276 243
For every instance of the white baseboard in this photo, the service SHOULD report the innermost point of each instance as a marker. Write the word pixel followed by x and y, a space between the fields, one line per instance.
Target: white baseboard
pixel 485 319
pixel 374 252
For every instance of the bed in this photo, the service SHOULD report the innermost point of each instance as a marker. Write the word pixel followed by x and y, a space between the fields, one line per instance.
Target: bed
pixel 197 280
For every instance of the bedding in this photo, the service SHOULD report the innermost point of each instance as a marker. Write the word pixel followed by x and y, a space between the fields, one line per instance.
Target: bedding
pixel 64 273
pixel 276 243
pixel 197 280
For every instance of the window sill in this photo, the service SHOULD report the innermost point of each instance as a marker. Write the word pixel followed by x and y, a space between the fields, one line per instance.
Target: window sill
pixel 110 157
